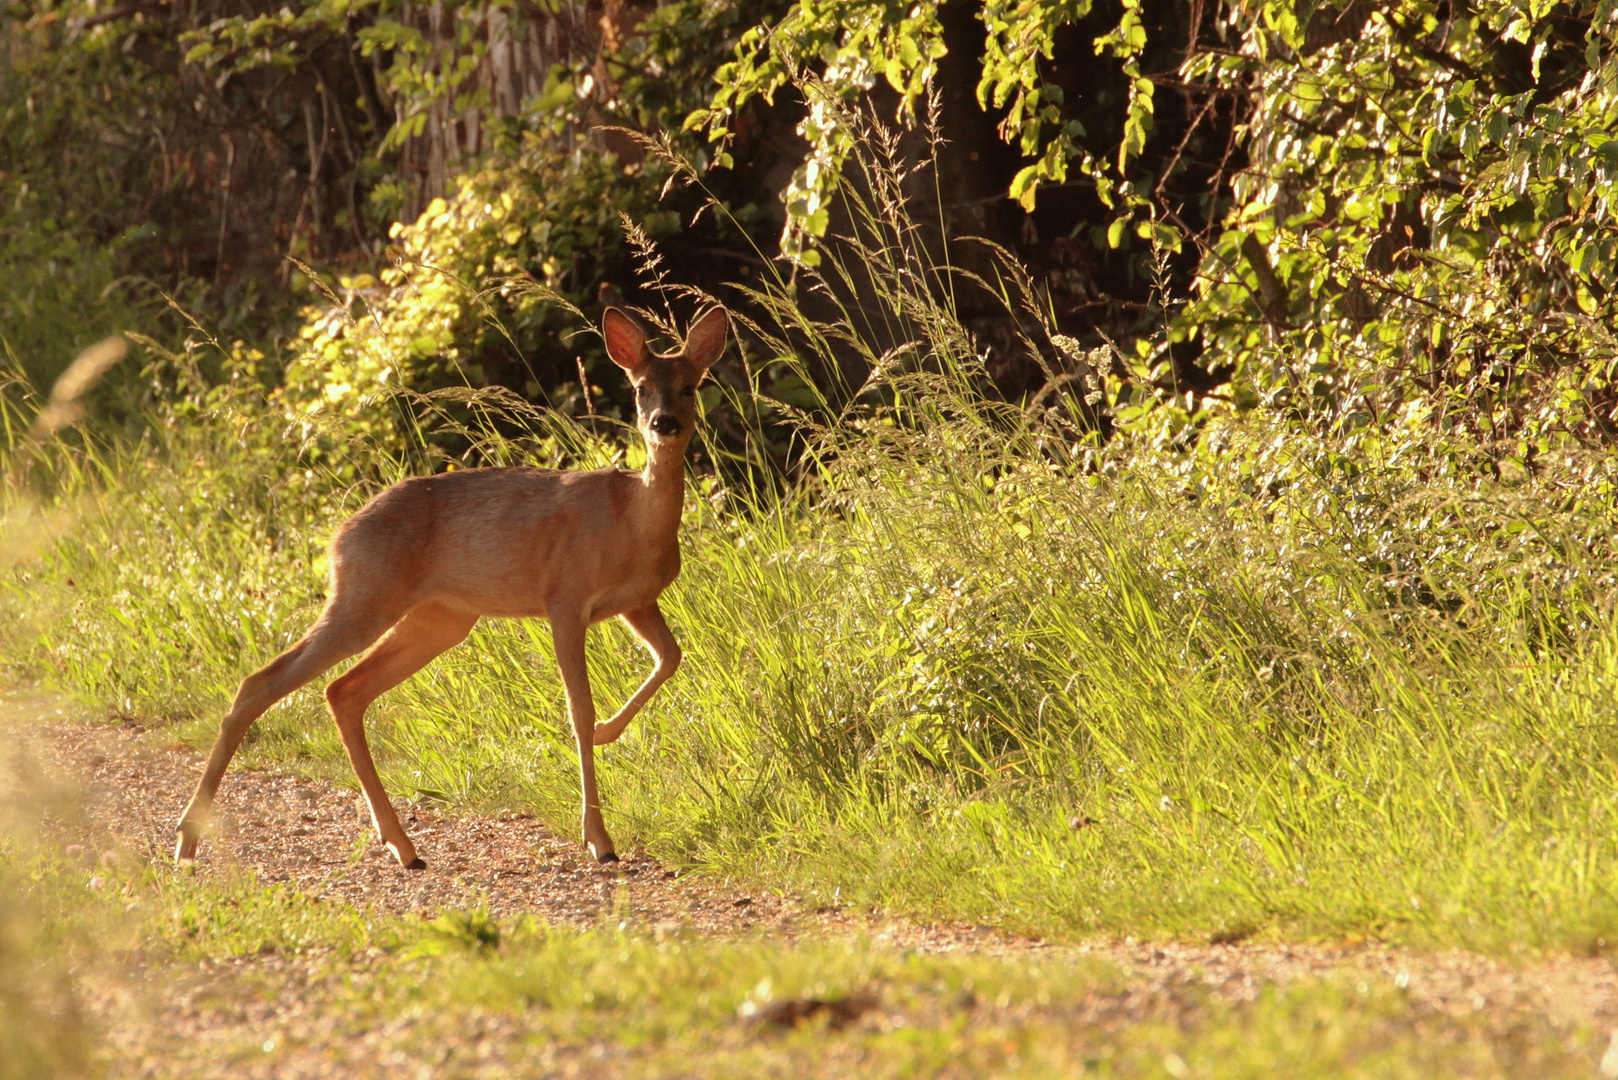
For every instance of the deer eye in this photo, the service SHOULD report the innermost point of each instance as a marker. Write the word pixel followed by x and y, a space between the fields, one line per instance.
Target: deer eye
pixel 688 391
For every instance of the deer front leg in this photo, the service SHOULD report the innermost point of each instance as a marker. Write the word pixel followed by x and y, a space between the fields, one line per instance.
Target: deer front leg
pixel 567 633
pixel 648 625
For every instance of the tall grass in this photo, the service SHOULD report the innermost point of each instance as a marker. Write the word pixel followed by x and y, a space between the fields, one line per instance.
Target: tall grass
pixel 972 666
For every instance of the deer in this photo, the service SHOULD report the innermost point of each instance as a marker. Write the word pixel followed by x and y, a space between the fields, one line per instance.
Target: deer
pixel 418 565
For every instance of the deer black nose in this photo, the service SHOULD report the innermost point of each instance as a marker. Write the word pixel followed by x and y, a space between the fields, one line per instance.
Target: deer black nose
pixel 665 425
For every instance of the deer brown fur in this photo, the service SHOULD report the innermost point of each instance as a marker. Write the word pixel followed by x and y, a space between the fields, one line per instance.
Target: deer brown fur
pixel 418 565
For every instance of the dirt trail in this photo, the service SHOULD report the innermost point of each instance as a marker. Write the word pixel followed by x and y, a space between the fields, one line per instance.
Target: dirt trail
pixel 285 829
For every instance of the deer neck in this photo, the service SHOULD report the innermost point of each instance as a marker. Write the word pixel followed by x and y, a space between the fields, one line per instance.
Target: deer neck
pixel 663 485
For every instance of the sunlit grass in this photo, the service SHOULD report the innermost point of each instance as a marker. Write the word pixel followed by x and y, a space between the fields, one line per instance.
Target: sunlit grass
pixel 468 993
pixel 970 663
pixel 958 681
pixel 112 965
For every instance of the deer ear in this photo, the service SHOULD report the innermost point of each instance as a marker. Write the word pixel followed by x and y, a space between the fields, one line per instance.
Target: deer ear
pixel 626 345
pixel 706 339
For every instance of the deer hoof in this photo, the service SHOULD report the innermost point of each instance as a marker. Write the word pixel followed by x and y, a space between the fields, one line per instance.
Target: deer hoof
pixel 608 857
pixel 418 863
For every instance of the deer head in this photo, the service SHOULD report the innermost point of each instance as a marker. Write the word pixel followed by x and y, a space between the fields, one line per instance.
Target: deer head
pixel 665 383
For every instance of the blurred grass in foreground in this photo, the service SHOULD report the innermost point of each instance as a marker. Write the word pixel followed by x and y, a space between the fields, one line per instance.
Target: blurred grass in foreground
pixel 43 1035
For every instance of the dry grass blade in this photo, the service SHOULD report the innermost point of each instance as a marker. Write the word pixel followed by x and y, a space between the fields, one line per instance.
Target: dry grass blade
pixel 66 406
pixel 80 377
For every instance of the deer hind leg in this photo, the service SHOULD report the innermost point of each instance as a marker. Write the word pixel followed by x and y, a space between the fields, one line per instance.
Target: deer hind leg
pixel 417 638
pixel 341 631
pixel 648 625
pixel 567 632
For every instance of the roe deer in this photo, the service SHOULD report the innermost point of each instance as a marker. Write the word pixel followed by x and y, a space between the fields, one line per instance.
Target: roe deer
pixel 420 563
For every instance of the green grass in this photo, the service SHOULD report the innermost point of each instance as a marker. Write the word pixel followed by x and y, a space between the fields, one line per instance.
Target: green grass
pixel 1274 680
pixel 907 689
pixel 111 966
pixel 620 1004
pixel 190 961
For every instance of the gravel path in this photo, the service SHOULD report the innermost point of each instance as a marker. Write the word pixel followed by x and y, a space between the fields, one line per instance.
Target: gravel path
pixel 133 783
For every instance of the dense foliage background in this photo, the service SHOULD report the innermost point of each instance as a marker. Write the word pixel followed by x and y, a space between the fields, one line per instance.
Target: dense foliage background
pixel 1354 214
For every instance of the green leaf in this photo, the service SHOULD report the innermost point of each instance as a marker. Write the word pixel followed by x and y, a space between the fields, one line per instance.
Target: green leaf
pixel 1022 185
pixel 895 72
